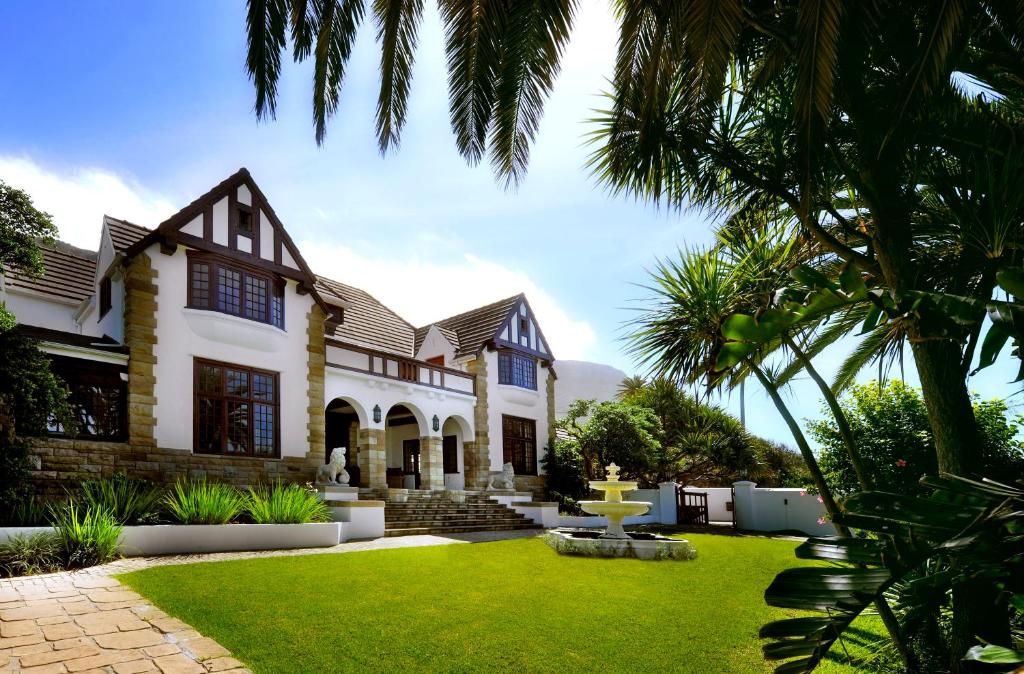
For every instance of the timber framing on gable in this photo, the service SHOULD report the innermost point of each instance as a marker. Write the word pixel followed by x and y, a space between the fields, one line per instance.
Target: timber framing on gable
pixel 169 233
pixel 521 331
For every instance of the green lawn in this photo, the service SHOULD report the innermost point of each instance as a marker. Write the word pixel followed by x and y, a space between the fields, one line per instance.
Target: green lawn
pixel 509 606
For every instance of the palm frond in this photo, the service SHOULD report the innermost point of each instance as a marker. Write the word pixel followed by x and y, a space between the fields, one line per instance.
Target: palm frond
pixel 837 328
pixel 884 344
pixel 337 22
pixel 398 23
pixel 266 23
pixel 532 44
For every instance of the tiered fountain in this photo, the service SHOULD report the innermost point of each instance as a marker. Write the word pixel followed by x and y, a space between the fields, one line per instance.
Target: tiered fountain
pixel 615 542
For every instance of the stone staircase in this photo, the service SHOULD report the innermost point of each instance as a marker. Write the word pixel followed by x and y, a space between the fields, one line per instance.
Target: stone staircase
pixel 428 512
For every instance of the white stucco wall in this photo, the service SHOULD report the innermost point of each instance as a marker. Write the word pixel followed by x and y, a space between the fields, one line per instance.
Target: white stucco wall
pixel 436 344
pixel 32 309
pixel 184 334
pixel 518 402
pixel 583 380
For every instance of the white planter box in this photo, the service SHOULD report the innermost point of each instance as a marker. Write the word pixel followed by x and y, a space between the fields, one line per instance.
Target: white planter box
pixel 359 519
pixel 10 532
pixel 175 539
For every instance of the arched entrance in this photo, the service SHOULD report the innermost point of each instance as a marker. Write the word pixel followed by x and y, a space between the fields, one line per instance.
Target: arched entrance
pixel 342 424
pixel 404 429
pixel 454 435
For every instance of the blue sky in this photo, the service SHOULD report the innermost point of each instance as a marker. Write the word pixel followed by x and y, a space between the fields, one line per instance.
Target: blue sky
pixel 134 109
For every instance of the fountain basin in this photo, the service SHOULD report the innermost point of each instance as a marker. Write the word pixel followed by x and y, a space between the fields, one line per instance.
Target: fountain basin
pixel 589 543
pixel 618 509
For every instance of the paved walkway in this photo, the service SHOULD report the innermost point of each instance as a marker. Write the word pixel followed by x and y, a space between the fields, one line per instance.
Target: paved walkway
pixel 86 621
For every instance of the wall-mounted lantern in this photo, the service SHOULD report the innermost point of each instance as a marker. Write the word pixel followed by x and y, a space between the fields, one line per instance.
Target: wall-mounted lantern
pixel 376 414
pixel 437 423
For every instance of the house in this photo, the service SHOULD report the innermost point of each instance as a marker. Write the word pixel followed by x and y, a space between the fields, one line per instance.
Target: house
pixel 207 346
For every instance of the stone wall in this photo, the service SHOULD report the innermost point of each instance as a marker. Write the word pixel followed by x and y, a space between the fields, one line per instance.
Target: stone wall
pixel 61 463
pixel 373 463
pixel 536 484
pixel 140 336
pixel 317 424
pixel 476 453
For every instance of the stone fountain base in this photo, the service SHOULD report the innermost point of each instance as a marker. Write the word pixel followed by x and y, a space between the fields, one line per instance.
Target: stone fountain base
pixel 590 543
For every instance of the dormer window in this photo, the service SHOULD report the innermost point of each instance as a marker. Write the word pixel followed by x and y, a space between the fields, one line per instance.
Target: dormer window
pixel 218 285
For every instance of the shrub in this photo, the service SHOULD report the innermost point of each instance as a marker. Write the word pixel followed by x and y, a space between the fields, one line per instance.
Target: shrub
pixel 27 554
pixel 88 536
pixel 27 511
pixel 202 502
pixel 129 500
pixel 285 504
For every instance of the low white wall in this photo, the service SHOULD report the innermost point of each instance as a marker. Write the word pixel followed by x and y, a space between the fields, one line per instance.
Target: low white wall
pixel 175 539
pixel 360 519
pixel 542 513
pixel 7 533
pixel 780 510
pixel 652 496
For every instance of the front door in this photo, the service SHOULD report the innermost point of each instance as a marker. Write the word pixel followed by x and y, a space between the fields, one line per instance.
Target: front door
pixel 411 458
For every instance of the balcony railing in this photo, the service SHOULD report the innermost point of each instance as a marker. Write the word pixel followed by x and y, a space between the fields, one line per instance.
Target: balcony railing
pixel 389 366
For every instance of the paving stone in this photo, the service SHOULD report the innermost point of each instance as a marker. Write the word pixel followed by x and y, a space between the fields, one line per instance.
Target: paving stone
pixel 14 642
pixel 108 596
pixel 185 635
pixel 80 608
pixel 31 649
pixel 53 620
pixel 58 656
pixel 93 582
pixel 18 628
pixel 130 625
pixel 52 668
pixel 32 612
pixel 135 667
pixel 71 643
pixel 104 659
pixel 162 649
pixel 178 664
pixel 125 640
pixel 169 625
pixel 204 648
pixel 60 631
pixel 9 595
pixel 222 664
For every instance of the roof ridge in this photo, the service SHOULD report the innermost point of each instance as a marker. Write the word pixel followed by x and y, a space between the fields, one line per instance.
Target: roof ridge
pixel 473 310
pixel 122 221
pixel 65 248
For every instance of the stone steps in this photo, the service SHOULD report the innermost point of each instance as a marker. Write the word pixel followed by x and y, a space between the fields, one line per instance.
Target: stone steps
pixel 457 529
pixel 430 513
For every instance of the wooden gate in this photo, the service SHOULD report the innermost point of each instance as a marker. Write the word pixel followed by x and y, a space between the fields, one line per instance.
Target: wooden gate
pixel 691 507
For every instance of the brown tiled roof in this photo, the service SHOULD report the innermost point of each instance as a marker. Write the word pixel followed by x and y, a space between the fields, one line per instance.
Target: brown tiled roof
pixel 68 273
pixel 368 322
pixel 124 233
pixel 477 326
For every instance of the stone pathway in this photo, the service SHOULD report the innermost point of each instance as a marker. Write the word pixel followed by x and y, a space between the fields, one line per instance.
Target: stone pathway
pixel 86 621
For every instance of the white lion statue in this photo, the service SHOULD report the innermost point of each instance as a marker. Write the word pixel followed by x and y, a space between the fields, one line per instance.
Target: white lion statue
pixel 502 480
pixel 333 472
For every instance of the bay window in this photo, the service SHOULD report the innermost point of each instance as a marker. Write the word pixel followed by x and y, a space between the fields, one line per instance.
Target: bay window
pixel 217 285
pixel 517 370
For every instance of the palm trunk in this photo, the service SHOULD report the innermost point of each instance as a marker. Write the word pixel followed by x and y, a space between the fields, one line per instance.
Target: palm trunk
pixel 892 625
pixel 831 507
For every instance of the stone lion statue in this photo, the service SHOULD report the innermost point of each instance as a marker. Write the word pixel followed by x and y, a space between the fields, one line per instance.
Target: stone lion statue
pixel 333 472
pixel 502 480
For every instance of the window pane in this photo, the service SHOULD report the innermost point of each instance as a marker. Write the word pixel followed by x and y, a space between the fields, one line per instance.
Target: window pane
pixel 209 425
pixel 263 430
pixel 200 285
pixel 244 222
pixel 238 428
pixel 263 387
pixel 504 368
pixel 519 446
pixel 229 290
pixel 209 379
pixel 256 298
pixel 277 306
pixel 238 383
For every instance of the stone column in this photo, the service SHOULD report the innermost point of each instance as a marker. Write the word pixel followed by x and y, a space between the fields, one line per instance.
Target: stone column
pixel 140 338
pixel 317 358
pixel 431 463
pixel 374 467
pixel 476 452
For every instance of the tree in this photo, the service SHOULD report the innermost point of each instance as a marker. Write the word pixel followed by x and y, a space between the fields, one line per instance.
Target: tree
pixel 22 229
pixel 613 432
pixel 890 425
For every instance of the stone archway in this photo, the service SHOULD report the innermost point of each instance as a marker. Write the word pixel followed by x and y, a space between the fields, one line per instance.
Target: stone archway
pixel 344 421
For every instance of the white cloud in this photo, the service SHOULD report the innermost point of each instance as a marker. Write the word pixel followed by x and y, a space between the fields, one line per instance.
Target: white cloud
pixel 78 198
pixel 422 291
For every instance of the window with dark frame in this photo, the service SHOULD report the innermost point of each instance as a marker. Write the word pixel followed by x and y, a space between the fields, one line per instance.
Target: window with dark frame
pixel 238 291
pixel 98 397
pixel 244 227
pixel 105 300
pixel 450 453
pixel 237 410
pixel 517 370
pixel 519 444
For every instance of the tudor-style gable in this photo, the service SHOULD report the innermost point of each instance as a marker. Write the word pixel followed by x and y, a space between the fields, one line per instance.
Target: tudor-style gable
pixel 521 331
pixel 234 220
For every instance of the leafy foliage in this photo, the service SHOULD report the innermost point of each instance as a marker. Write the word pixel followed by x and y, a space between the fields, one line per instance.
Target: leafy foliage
pixel 891 429
pixel 27 554
pixel 202 502
pixel 88 536
pixel 567 481
pixel 285 504
pixel 613 432
pixel 34 395
pixel 130 501
pixel 22 228
pixel 964 531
